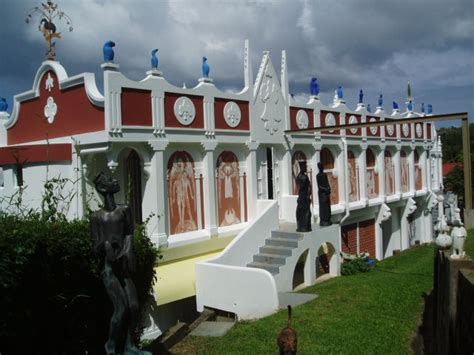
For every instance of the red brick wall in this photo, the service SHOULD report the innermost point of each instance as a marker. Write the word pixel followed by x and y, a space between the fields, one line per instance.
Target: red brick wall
pixel 349 238
pixel 367 237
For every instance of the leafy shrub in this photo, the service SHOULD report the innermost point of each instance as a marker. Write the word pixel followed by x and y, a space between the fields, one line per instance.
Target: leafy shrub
pixel 359 264
pixel 52 299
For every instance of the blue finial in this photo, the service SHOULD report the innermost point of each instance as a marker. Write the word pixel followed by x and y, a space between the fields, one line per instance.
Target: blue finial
pixel 430 109
pixel 314 87
pixel 422 107
pixel 205 68
pixel 380 100
pixel 368 108
pixel 361 96
pixel 410 106
pixel 3 104
pixel 395 105
pixel 340 93
pixel 154 59
pixel 109 51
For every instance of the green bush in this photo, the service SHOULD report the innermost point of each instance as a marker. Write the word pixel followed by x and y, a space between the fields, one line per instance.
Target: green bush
pixel 359 264
pixel 52 300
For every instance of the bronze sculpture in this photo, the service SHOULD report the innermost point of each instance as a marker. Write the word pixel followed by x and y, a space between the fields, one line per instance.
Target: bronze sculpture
pixel 303 209
pixel 112 229
pixel 324 196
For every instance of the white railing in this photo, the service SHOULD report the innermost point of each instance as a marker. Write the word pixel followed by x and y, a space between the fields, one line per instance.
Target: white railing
pixel 225 282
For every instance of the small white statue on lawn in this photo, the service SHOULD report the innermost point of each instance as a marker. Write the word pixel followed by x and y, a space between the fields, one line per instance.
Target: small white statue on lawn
pixel 458 234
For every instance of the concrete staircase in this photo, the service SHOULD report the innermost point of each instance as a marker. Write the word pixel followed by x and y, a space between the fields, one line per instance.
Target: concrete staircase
pixel 276 250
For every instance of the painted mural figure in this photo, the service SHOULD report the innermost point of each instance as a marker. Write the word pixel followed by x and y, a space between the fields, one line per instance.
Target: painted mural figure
pixel 298 156
pixel 353 193
pixel 228 185
pixel 182 195
pixel 389 178
pixel 112 230
pixel 303 209
pixel 324 195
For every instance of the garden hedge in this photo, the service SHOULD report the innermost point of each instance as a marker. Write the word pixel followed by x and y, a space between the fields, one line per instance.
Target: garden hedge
pixel 52 300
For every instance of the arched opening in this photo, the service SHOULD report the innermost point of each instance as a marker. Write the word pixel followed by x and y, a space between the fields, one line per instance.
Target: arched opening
pixel 182 193
pixel 298 274
pixel 133 179
pixel 228 188
pixel 389 173
pixel 295 159
pixel 325 260
pixel 404 171
pixel 371 177
pixel 327 158
pixel 353 177
pixel 418 172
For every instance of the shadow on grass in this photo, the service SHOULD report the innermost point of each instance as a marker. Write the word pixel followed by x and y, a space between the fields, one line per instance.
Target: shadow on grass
pixel 424 341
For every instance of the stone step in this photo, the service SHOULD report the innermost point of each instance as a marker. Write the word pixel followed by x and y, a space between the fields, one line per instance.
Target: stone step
pixel 279 250
pixel 287 235
pixel 270 259
pixel 283 242
pixel 271 268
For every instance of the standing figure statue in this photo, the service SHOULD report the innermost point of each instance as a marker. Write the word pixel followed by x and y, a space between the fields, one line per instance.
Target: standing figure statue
pixel 324 196
pixel 303 209
pixel 112 229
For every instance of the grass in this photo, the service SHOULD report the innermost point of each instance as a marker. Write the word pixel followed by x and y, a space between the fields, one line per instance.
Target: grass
pixel 469 245
pixel 372 313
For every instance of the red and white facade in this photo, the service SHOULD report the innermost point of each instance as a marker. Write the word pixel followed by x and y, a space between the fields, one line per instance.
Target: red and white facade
pixel 201 161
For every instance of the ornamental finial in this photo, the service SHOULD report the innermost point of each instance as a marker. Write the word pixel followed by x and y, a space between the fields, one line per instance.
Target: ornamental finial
pixel 47 13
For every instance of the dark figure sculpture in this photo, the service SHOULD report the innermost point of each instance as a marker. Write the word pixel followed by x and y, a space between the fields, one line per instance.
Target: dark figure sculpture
pixel 324 195
pixel 112 230
pixel 303 209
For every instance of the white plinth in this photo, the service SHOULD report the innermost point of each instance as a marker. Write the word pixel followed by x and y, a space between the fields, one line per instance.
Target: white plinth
pixel 110 66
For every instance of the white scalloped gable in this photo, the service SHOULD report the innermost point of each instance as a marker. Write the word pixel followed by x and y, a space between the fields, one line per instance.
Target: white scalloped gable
pixel 269 111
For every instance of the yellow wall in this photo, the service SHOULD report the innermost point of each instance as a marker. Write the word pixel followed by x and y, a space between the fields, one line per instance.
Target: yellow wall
pixel 177 279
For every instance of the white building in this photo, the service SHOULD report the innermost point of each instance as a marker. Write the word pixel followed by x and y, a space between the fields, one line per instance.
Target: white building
pixel 216 170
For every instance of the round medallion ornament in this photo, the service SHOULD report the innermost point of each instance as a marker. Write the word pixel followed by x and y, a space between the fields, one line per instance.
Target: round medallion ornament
pixel 374 129
pixel 232 114
pixel 330 121
pixel 390 130
pixel 50 110
pixel 418 130
pixel 353 120
pixel 405 129
pixel 302 119
pixel 184 110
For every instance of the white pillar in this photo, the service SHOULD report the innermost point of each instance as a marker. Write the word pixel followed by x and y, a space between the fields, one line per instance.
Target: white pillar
pixel 315 159
pixel 156 194
pixel 252 188
pixel 381 171
pixel 209 198
pixel 286 178
pixel 363 173
pixel 411 169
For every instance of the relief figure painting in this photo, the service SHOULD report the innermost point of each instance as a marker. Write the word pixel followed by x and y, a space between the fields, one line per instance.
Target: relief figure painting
pixel 297 157
pixel 228 189
pixel 353 181
pixel 389 175
pixel 404 172
pixel 182 193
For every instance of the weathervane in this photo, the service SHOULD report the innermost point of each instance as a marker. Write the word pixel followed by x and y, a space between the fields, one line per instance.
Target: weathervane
pixel 48 12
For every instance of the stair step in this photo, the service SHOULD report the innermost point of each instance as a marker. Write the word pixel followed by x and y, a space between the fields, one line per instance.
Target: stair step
pixel 287 235
pixel 283 242
pixel 271 268
pixel 279 250
pixel 270 258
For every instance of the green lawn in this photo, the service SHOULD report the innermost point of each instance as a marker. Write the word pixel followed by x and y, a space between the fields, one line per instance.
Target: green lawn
pixel 469 246
pixel 372 313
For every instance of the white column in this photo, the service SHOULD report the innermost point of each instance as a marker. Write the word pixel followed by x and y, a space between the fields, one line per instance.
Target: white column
pixel 286 178
pixel 363 173
pixel 381 171
pixel 209 198
pixel 252 188
pixel 315 159
pixel 156 194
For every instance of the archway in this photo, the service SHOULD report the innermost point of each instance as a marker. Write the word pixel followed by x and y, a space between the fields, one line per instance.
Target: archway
pixel 325 260
pixel 295 159
pixel 182 193
pixel 327 158
pixel 298 274
pixel 371 177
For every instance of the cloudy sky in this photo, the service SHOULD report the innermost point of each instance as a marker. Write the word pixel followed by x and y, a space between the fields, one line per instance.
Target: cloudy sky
pixel 376 45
